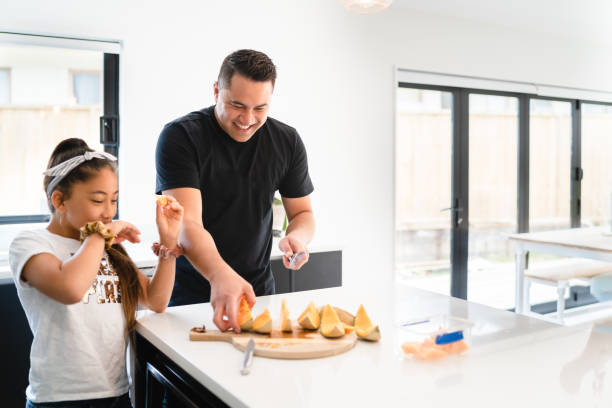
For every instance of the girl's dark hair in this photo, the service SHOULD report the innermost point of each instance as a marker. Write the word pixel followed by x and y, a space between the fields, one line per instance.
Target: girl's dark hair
pixel 129 285
pixel 68 149
pixel 254 65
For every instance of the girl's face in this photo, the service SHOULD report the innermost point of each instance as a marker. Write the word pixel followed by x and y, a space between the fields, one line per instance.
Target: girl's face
pixel 93 200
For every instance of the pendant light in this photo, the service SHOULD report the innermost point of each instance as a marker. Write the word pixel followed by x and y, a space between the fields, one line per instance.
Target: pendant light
pixel 365 6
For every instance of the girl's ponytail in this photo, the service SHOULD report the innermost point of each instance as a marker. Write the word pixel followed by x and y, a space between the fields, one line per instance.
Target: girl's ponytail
pixel 130 286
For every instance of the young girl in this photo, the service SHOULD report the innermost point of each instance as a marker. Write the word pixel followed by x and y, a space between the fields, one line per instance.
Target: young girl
pixel 79 288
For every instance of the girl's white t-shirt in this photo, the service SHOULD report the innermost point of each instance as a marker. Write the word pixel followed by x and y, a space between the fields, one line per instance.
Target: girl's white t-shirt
pixel 78 351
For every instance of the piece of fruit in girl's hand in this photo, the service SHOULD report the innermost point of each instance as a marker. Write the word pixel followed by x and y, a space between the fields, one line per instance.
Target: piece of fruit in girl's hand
pixel 162 200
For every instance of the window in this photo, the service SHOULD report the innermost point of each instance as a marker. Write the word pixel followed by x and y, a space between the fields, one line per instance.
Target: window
pixel 596 147
pixel 5 86
pixel 550 145
pixel 86 88
pixel 50 90
pixel 504 161
pixel 423 147
pixel 493 144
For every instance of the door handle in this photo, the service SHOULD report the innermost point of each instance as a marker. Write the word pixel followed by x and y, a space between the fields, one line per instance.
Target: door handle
pixel 455 213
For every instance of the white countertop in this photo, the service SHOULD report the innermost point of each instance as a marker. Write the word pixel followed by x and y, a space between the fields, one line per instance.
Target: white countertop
pixel 514 360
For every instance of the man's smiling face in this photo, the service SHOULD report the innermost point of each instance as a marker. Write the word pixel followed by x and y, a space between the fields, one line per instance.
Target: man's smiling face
pixel 242 108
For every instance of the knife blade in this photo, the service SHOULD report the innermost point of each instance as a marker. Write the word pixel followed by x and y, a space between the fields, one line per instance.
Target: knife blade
pixel 248 358
pixel 296 259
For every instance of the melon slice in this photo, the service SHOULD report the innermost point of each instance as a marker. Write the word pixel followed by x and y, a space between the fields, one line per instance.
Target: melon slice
pixel 430 353
pixel 345 317
pixel 162 200
pixel 364 327
pixel 348 328
pixel 245 318
pixel 456 347
pixel 411 347
pixel 310 318
pixel 263 322
pixel 285 321
pixel 331 326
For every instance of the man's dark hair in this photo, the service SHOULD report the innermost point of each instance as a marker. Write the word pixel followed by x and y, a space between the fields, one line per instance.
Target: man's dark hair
pixel 254 65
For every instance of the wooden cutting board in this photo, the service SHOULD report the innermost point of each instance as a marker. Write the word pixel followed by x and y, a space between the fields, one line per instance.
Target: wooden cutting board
pixel 300 344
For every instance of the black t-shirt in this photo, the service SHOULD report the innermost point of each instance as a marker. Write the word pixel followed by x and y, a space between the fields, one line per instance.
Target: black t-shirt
pixel 237 181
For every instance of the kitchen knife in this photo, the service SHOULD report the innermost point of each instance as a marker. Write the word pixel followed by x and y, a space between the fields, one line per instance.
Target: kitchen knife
pixel 248 358
pixel 296 259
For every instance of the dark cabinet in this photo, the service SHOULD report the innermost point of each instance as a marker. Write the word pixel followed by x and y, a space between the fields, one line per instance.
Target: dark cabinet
pixel 323 270
pixel 15 343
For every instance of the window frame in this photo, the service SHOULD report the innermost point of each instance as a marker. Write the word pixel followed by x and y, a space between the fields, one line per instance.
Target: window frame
pixel 110 93
pixel 460 168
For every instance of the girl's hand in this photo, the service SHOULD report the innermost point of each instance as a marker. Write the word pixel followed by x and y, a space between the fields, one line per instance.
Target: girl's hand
pixel 122 231
pixel 169 219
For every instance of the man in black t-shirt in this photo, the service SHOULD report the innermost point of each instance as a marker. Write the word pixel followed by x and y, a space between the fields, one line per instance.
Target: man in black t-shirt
pixel 224 164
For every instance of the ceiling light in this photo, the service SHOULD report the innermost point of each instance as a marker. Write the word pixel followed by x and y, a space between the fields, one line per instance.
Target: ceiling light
pixel 366 6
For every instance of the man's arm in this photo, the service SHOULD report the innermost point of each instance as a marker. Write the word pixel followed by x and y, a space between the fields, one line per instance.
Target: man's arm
pixel 227 287
pixel 300 230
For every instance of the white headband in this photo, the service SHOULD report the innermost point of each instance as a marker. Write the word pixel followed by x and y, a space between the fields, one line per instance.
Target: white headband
pixel 61 170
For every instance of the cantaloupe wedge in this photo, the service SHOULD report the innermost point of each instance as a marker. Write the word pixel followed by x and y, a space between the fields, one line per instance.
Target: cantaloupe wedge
pixel 263 322
pixel 364 327
pixel 310 319
pixel 345 317
pixel 331 326
pixel 245 318
pixel 162 200
pixel 285 321
pixel 348 328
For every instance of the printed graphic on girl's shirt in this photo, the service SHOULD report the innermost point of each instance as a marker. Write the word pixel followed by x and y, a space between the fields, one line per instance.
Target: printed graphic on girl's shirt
pixel 106 286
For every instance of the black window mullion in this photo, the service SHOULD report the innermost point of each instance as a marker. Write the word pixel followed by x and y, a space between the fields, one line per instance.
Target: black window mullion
pixel 576 165
pixel 460 189
pixel 523 166
pixel 109 122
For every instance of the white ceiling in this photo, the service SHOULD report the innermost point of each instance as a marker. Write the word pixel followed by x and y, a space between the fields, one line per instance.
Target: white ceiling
pixel 589 20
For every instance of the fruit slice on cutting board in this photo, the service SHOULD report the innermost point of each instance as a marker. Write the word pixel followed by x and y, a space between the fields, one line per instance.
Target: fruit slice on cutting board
pixel 285 324
pixel 310 318
pixel 331 326
pixel 348 328
pixel 364 327
pixel 263 322
pixel 345 317
pixel 245 318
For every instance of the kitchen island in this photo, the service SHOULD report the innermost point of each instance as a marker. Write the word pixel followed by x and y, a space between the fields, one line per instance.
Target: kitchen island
pixel 514 360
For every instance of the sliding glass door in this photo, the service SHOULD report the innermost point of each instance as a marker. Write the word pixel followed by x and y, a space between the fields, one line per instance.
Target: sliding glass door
pixel 493 144
pixel 423 188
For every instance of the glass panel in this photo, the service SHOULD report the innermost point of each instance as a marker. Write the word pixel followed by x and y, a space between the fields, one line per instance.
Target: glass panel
pixel 493 141
pixel 423 187
pixel 86 87
pixel 549 165
pixel 550 141
pixel 596 189
pixel 5 89
pixel 41 113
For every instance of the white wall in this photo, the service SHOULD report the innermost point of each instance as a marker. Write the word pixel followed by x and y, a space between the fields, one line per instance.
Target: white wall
pixel 335 86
